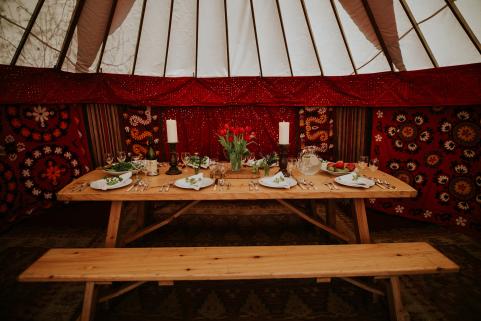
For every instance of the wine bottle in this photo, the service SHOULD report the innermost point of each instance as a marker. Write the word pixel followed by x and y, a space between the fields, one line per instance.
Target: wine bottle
pixel 151 159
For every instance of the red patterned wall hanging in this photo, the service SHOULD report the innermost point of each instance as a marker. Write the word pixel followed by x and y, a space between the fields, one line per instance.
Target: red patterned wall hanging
pixel 316 128
pixel 45 148
pixel 140 123
pixel 437 151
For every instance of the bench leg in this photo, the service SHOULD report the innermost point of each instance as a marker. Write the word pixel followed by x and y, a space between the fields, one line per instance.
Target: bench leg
pixel 88 307
pixel 114 221
pixel 396 308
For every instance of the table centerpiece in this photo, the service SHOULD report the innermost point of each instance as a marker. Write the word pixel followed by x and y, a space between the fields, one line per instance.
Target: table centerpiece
pixel 235 140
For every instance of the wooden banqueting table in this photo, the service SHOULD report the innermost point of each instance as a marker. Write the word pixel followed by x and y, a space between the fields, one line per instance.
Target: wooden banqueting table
pixel 239 190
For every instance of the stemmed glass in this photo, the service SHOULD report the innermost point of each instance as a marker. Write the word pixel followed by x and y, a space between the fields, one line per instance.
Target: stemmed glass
pixel 109 159
pixel 121 156
pixel 291 164
pixel 363 162
pixel 185 157
pixel 374 164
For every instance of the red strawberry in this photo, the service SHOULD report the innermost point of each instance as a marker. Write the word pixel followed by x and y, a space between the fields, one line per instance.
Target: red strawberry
pixel 339 164
pixel 350 166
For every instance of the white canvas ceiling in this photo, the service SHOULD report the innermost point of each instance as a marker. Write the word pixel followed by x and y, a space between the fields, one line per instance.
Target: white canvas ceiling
pixel 221 38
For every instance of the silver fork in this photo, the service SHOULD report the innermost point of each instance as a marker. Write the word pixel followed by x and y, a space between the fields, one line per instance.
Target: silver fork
pixel 169 185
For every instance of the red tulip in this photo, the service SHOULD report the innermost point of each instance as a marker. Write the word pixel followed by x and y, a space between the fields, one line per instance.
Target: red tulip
pixel 236 131
pixel 241 130
pixel 231 139
pixel 223 132
pixel 247 138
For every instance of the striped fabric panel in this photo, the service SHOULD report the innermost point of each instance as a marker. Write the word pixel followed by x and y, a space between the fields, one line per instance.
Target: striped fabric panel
pixel 104 131
pixel 352 133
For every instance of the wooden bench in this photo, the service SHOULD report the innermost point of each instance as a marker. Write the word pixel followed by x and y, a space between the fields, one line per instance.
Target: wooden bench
pixel 167 265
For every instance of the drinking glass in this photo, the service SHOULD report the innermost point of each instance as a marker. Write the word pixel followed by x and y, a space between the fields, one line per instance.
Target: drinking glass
pixel 374 164
pixel 121 156
pixel 185 158
pixel 363 162
pixel 212 167
pixel 109 159
pixel 291 164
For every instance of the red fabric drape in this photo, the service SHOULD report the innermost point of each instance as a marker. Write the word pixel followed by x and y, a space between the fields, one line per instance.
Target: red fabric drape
pixel 448 86
pixel 197 128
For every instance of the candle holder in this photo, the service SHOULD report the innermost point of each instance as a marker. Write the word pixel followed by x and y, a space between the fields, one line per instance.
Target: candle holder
pixel 283 150
pixel 173 170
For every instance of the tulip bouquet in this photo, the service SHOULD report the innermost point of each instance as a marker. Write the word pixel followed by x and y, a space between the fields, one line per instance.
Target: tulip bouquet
pixel 235 141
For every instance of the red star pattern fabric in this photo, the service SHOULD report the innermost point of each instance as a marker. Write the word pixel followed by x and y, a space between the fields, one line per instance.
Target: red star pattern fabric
pixel 46 148
pixel 437 151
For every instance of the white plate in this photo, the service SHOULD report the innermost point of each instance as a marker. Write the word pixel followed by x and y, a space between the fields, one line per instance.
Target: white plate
pixel 335 173
pixel 114 173
pixel 123 183
pixel 347 180
pixel 110 172
pixel 206 181
pixel 265 181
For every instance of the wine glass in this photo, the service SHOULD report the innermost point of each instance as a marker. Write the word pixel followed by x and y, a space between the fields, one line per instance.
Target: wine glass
pixel 185 157
pixel 291 164
pixel 374 164
pixel 363 162
pixel 109 159
pixel 121 156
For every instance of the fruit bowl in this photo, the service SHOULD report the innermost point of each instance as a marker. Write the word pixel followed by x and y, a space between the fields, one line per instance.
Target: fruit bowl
pixel 338 168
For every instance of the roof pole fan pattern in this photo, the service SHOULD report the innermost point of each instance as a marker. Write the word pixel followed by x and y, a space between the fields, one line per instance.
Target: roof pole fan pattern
pixel 224 38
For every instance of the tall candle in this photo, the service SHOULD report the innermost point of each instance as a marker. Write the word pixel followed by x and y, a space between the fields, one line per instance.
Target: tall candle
pixel 284 133
pixel 172 131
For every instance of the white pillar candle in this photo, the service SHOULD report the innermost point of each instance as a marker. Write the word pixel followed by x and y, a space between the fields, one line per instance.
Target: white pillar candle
pixel 172 131
pixel 284 133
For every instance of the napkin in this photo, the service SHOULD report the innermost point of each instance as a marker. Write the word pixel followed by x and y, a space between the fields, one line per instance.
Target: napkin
pixel 361 181
pixel 102 183
pixel 195 181
pixel 280 180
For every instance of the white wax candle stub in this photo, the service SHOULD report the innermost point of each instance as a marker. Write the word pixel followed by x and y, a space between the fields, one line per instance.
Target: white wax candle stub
pixel 284 133
pixel 172 131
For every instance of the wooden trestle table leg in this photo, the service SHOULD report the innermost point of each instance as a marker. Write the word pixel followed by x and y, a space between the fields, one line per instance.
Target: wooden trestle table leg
pixel 361 221
pixel 114 221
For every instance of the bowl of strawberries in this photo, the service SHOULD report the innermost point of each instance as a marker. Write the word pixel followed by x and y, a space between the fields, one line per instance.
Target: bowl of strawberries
pixel 338 168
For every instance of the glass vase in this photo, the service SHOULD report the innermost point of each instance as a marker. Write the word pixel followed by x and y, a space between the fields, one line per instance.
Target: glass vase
pixel 235 161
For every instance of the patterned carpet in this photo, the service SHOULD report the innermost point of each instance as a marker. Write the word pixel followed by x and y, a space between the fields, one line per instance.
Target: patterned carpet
pixel 427 298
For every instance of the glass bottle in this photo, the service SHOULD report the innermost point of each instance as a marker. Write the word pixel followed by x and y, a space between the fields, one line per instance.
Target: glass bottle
pixel 151 160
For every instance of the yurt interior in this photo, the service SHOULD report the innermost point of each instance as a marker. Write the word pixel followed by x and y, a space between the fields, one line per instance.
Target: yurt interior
pixel 241 160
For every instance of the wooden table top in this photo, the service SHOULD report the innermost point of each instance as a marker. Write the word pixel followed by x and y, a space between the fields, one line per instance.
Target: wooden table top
pixel 239 189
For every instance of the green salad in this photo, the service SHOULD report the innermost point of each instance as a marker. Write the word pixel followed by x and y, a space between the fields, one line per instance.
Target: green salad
pixel 123 167
pixel 112 180
pixel 192 180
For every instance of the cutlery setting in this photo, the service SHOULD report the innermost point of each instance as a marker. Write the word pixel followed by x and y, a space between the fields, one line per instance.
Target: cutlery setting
pixel 79 187
pixel 382 183
pixel 331 186
pixel 253 186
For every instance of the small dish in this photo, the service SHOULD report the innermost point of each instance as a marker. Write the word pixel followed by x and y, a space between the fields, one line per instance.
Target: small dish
pixel 182 183
pixel 348 180
pixel 335 173
pixel 267 182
